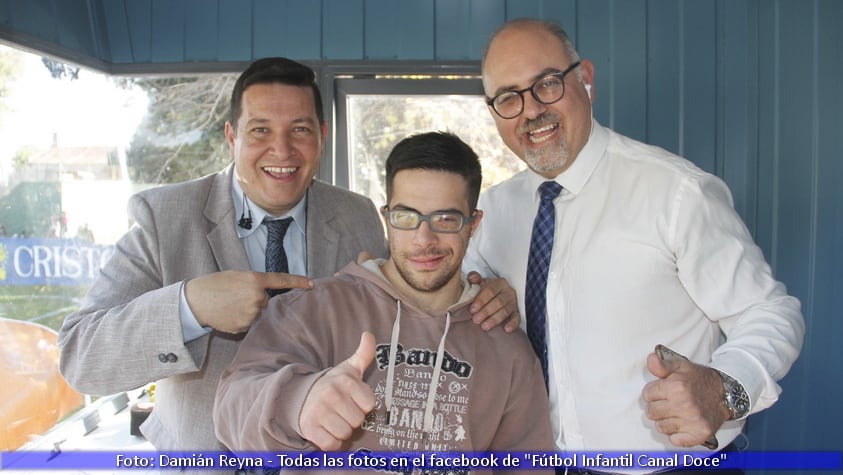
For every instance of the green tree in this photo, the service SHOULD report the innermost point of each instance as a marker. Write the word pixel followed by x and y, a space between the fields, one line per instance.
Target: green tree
pixel 182 135
pixel 9 68
pixel 21 158
pixel 379 122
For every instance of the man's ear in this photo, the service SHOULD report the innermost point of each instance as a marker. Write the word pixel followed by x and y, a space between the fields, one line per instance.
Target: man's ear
pixel 479 217
pixel 230 135
pixel 381 210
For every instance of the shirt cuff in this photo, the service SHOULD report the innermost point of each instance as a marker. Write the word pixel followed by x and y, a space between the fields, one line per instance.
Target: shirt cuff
pixel 190 327
pixel 759 386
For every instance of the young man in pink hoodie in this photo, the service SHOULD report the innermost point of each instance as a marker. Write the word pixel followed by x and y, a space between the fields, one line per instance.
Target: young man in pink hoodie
pixel 423 377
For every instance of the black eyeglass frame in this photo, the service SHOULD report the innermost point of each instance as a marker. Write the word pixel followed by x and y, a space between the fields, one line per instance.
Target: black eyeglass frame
pixel 520 92
pixel 427 218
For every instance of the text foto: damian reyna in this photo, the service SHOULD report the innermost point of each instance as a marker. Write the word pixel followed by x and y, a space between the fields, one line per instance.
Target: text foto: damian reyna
pixel 219 460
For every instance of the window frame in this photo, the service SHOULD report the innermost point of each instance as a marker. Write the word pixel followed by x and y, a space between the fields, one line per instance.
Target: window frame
pixel 339 81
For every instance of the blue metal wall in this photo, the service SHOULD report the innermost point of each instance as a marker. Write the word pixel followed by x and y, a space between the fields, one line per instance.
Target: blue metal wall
pixel 748 89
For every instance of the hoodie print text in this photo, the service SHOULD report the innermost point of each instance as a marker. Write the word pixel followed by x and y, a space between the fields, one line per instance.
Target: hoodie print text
pixel 411 386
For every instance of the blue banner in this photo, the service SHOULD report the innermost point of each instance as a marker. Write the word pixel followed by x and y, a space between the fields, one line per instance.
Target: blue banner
pixel 435 462
pixel 36 261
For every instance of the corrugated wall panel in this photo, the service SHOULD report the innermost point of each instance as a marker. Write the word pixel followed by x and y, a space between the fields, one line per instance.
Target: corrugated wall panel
pixel 825 353
pixel 303 27
pixel 168 31
pixel 287 28
pixel 34 18
pixel 268 35
pixel 200 30
pixel 594 42
pixel 115 22
pixel 800 209
pixel 74 30
pixel 342 29
pixel 768 116
pixel 399 29
pixel 796 149
pixel 525 8
pixel 663 77
pixel 139 15
pixel 625 94
pixel 698 100
pixel 737 103
pixel 484 17
pixel 235 30
pixel 463 27
pixel 5 12
pixel 760 428
pixel 828 283
pixel 564 11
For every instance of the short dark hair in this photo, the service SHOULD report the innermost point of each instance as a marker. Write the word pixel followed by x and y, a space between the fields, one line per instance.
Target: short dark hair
pixel 275 70
pixel 441 151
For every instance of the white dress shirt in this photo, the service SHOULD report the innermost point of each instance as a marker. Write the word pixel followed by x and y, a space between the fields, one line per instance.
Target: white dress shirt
pixel 254 240
pixel 648 249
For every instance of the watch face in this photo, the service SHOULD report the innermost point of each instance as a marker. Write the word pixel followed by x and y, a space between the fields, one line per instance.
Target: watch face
pixel 738 400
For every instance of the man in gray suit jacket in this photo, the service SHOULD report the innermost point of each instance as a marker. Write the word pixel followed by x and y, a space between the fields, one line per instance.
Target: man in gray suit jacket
pixel 187 280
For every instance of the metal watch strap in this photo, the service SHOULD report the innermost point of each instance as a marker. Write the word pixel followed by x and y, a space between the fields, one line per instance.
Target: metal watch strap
pixel 735 398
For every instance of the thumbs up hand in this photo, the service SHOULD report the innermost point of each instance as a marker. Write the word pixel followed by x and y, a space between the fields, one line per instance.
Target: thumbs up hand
pixel 339 401
pixel 685 401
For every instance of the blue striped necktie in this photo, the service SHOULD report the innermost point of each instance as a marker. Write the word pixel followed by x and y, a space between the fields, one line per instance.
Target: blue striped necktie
pixel 276 258
pixel 538 262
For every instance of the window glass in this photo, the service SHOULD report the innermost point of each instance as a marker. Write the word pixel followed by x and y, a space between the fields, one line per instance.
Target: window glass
pixel 76 145
pixel 64 183
pixel 377 122
pixel 374 112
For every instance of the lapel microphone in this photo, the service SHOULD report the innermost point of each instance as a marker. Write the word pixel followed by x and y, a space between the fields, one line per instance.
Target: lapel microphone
pixel 245 221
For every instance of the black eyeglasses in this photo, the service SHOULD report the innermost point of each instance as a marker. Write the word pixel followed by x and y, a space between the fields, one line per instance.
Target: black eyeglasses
pixel 441 222
pixel 547 90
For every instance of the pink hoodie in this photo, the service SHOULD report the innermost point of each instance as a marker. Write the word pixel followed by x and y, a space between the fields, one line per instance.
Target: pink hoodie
pixel 490 394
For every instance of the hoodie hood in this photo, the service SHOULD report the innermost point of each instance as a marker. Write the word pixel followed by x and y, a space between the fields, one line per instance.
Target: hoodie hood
pixel 371 271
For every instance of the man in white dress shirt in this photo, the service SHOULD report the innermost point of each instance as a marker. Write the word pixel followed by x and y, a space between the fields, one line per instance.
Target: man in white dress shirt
pixel 647 250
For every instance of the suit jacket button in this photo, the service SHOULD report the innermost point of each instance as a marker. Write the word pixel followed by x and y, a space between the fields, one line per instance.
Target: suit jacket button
pixel 162 357
pixel 172 358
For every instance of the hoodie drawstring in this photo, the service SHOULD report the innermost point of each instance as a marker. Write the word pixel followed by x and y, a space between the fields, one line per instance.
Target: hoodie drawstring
pixel 427 423
pixel 434 379
pixel 390 368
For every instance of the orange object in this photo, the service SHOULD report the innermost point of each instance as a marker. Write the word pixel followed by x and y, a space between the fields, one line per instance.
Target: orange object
pixel 33 395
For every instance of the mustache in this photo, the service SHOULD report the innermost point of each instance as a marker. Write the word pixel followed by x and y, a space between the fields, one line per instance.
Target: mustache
pixel 546 118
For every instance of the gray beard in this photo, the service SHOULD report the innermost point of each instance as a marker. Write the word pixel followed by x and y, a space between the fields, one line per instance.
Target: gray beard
pixel 548 159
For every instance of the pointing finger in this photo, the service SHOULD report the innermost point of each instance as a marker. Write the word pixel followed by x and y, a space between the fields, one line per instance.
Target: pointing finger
pixel 279 280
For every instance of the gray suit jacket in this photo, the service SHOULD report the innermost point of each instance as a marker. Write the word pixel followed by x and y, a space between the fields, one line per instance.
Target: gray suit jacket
pixel 127 332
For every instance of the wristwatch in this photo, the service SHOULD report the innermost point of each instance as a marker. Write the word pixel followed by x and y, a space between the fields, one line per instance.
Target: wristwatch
pixel 734 398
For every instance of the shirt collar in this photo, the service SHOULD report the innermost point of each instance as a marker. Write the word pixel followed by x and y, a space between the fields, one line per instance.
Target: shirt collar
pixel 577 175
pixel 298 213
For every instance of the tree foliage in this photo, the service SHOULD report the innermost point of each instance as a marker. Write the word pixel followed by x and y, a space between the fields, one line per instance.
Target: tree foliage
pixel 9 68
pixel 182 135
pixel 379 122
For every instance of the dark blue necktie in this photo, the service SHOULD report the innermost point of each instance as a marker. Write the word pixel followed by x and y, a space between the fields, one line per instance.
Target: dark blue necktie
pixel 276 258
pixel 541 247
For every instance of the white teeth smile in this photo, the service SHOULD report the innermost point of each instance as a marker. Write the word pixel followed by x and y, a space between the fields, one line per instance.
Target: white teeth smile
pixel 532 134
pixel 280 169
